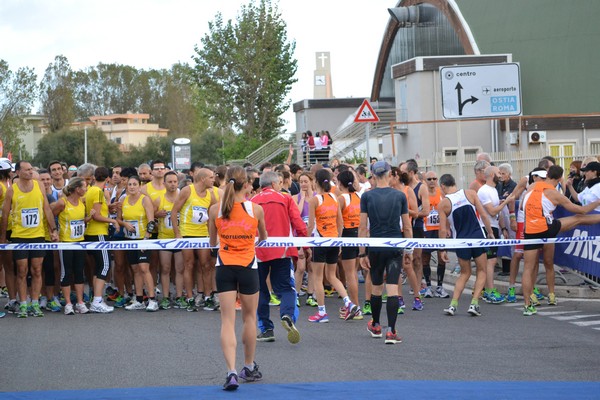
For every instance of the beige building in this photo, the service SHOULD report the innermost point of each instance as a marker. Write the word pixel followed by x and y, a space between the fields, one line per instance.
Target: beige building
pixel 125 129
pixel 35 127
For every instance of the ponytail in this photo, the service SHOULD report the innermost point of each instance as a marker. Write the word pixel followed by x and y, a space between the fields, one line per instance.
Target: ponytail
pixel 73 184
pixel 323 178
pixel 236 177
pixel 346 179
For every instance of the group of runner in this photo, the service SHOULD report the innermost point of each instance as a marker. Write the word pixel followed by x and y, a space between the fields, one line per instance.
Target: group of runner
pixel 235 206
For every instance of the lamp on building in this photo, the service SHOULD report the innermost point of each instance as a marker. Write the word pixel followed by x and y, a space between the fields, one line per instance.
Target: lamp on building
pixel 412 14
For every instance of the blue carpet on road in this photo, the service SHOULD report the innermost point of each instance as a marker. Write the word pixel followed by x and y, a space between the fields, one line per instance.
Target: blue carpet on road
pixel 342 390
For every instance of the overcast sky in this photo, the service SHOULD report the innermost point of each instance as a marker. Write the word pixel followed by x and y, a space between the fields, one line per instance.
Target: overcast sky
pixel 158 33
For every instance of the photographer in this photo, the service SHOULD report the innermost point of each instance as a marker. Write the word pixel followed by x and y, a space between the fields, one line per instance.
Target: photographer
pixel 574 182
pixel 591 192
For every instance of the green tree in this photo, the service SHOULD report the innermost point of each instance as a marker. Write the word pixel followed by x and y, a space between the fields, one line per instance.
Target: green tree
pixel 244 71
pixel 18 91
pixel 68 145
pixel 57 94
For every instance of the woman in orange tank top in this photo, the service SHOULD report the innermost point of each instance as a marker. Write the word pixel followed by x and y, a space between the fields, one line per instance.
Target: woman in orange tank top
pixel 233 223
pixel 325 220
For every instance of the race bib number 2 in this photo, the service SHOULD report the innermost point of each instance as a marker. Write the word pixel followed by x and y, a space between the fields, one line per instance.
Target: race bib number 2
pixel 30 217
pixel 199 215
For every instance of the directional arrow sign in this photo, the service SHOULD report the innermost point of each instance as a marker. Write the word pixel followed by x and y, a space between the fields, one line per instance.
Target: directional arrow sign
pixel 480 91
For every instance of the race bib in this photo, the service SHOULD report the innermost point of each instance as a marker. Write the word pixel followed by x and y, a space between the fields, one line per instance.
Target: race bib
pixel 199 215
pixel 77 229
pixel 167 221
pixel 136 233
pixel 433 219
pixel 30 217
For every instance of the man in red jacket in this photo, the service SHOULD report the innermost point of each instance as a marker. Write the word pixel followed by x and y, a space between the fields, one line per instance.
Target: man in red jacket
pixel 282 219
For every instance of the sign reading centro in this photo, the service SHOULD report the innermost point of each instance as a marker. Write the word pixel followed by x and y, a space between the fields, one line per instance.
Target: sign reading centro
pixel 481 91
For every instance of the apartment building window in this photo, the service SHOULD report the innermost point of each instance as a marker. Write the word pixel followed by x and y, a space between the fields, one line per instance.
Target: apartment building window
pixel 117 140
pixel 451 153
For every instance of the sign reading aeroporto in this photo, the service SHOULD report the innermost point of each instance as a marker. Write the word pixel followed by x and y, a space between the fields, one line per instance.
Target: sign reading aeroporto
pixel 481 91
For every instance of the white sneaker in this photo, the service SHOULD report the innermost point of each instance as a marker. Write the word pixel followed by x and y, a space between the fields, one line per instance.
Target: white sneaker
pixel 428 293
pixel 43 302
pixel 135 305
pixel 69 309
pixel 81 308
pixel 216 301
pixel 152 305
pixel 101 308
pixel 440 292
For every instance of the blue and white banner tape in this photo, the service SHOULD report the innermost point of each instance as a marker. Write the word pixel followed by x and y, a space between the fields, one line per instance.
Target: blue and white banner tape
pixel 203 243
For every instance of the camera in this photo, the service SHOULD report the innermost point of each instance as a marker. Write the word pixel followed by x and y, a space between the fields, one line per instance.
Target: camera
pixel 573 174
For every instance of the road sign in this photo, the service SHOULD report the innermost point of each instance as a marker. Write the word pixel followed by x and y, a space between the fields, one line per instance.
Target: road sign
pixel 480 91
pixel 366 113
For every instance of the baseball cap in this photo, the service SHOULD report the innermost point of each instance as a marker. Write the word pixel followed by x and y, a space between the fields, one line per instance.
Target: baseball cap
pixel 541 174
pixel 5 165
pixel 380 167
pixel 592 166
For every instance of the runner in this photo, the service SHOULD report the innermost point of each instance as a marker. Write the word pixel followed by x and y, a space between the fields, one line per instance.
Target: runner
pixel 325 220
pixel 70 210
pixel 539 203
pixel 234 223
pixel 6 256
pixel 97 231
pixel 431 224
pixel 383 211
pixel 463 212
pixel 137 217
pixel 57 174
pixel 302 199
pixel 30 211
pixel 163 206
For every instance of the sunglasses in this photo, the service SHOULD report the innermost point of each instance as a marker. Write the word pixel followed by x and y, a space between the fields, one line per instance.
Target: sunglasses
pixel 432 179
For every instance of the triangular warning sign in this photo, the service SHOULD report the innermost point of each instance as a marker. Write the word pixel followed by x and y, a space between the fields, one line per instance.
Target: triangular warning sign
pixel 366 113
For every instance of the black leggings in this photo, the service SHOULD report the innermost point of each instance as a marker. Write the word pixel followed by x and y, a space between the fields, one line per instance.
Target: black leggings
pixel 48 267
pixel 71 265
pixel 385 262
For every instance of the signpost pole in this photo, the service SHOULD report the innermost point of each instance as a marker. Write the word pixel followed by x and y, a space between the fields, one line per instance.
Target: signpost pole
pixel 460 154
pixel 367 136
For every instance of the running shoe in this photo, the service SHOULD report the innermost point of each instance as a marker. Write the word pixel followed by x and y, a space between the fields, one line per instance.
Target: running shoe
pixel 3 292
pixel 165 303
pixel 342 311
pixel 529 310
pixel 374 329
pixel 359 316
pixel 552 299
pixel 101 308
pixel 2 314
pixel 266 336
pixel 318 318
pixel 209 304
pixel 231 383
pixel 302 292
pixel 534 300
pixel 384 298
pixel 456 270
pixel 391 337
pixel 81 308
pixel 495 297
pixel 350 311
pixel 511 296
pixel 61 299
pixel 43 301
pixel 86 298
pixel 216 302
pixel 330 292
pixel 474 310
pixel 288 325
pixel 251 375
pixel 121 301
pixel 12 307
pixel 53 305
pixel 400 310
pixel 310 301
pixel 191 305
pixel 135 305
pixel 422 292
pixel 36 310
pixel 110 291
pixel 428 292
pixel 297 301
pixel 486 296
pixel 361 278
pixel 441 292
pixel 417 305
pixel 153 305
pixel 69 309
pixel 366 310
pixel 180 303
pixel 114 296
pixel 200 300
pixel 274 300
pixel 538 294
pixel 401 302
pixel 451 310
pixel 238 305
